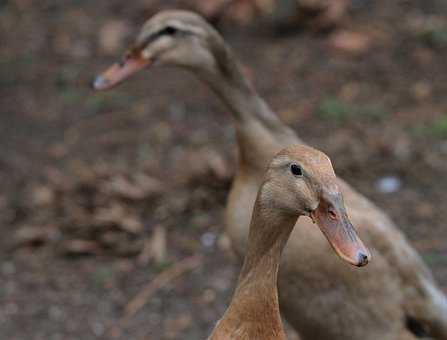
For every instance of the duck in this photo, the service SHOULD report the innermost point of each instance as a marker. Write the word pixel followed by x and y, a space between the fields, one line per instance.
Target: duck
pixel 299 181
pixel 394 297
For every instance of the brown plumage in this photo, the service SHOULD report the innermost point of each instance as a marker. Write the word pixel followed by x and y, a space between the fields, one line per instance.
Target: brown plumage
pixel 283 197
pixel 321 297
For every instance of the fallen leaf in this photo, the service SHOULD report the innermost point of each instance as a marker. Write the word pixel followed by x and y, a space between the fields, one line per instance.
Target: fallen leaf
pixel 353 43
pixel 121 186
pixel 112 214
pixel 35 235
pixel 80 247
pixel 42 196
pixel 111 36
pixel 131 224
pixel 154 248
pixel 174 327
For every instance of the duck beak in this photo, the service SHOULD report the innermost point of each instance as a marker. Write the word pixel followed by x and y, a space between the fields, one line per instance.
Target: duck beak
pixel 131 64
pixel 332 219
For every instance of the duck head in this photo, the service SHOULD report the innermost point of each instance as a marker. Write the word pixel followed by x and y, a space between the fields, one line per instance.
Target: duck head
pixel 301 181
pixel 177 38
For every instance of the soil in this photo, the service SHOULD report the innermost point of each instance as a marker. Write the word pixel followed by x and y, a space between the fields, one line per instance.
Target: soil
pixel 76 224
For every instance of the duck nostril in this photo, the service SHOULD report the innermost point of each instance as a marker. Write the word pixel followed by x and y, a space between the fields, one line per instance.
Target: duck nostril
pixel 363 259
pixel 332 214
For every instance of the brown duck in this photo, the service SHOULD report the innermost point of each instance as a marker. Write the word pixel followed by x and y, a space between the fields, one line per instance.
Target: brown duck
pixel 395 297
pixel 299 181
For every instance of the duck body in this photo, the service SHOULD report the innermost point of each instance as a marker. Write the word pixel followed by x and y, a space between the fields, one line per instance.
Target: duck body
pixel 294 185
pixel 337 301
pixel 321 297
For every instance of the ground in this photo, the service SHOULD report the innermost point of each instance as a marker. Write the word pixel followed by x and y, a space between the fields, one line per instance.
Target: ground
pixel 76 224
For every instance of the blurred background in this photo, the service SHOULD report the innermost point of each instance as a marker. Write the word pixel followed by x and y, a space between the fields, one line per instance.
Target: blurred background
pixel 108 199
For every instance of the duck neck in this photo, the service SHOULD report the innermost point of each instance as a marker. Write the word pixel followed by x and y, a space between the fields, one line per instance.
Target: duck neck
pixel 242 99
pixel 255 300
pixel 229 83
pixel 260 133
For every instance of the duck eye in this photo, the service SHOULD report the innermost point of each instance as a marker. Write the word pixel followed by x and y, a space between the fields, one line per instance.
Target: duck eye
pixel 169 30
pixel 296 170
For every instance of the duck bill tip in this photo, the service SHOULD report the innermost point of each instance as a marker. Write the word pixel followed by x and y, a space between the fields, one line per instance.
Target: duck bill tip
pixel 119 72
pixel 360 259
pixel 342 236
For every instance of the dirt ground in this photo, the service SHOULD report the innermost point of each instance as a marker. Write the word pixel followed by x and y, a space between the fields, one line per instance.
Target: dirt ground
pixel 92 182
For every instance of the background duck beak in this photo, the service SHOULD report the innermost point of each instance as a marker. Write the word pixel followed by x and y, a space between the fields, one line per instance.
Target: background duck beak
pixel 119 72
pixel 331 218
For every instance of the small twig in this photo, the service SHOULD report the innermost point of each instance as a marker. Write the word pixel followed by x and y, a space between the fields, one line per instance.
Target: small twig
pixel 161 280
pixel 154 248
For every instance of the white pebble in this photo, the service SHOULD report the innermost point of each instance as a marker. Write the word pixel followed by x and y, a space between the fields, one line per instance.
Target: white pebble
pixel 208 239
pixel 388 184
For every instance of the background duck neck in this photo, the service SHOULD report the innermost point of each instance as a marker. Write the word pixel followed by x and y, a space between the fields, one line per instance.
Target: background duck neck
pixel 260 133
pixel 242 99
pixel 232 86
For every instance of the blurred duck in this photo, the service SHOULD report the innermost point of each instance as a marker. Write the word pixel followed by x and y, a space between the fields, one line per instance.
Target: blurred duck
pixel 300 181
pixel 395 297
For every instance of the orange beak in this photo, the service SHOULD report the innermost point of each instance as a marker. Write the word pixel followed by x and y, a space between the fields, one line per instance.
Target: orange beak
pixel 120 72
pixel 333 221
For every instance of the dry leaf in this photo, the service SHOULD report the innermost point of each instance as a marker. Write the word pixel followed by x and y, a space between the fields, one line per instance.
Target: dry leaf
pixel 33 235
pixel 122 187
pixel 350 42
pixel 80 247
pixel 131 224
pixel 174 327
pixel 111 36
pixel 113 214
pixel 329 12
pixel 154 248
pixel 149 184
pixel 143 187
pixel 42 196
